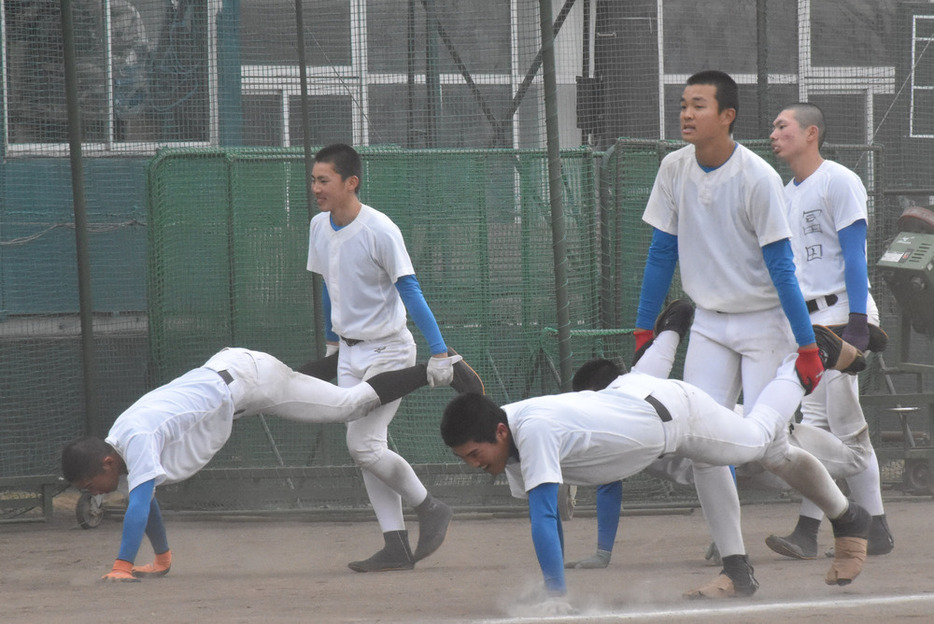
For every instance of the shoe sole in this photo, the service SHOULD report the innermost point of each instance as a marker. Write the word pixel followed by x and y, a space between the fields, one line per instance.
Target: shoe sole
pixel 781 546
pixel 357 566
pixel 466 378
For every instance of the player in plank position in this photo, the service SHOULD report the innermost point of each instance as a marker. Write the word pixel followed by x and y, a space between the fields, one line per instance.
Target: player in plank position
pixel 843 457
pixel 827 209
pixel 717 212
pixel 594 438
pixel 172 432
pixel 369 285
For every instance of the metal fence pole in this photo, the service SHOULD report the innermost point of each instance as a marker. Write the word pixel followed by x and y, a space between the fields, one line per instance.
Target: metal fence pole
pixel 85 300
pixel 558 231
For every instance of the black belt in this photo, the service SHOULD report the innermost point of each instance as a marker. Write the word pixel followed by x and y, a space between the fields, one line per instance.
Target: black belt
pixel 663 412
pixel 227 377
pixel 351 341
pixel 814 304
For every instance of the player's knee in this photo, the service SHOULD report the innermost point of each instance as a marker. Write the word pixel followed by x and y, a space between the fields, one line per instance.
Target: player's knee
pixel 365 454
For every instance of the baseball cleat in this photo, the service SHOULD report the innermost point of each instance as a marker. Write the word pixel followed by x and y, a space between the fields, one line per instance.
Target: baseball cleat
pixel 466 378
pixel 736 580
pixel 395 555
pixel 850 533
pixel 835 354
pixel 433 520
pixel 794 546
pixel 677 317
pixel 880 540
pixel 878 339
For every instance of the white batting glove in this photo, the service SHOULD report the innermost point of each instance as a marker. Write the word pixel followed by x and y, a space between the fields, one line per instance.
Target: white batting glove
pixel 441 370
pixel 331 348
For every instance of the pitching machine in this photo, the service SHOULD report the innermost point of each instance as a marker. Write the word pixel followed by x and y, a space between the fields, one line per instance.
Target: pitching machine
pixel 907 267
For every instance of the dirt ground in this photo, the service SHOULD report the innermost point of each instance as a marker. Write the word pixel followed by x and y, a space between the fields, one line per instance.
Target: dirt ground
pixel 274 569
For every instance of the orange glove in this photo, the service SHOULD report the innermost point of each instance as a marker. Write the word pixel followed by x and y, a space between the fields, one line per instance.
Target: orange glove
pixel 122 572
pixel 159 567
pixel 809 367
pixel 642 336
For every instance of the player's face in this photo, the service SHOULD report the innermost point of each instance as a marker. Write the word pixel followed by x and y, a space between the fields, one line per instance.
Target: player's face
pixel 103 482
pixel 488 456
pixel 700 119
pixel 331 191
pixel 788 137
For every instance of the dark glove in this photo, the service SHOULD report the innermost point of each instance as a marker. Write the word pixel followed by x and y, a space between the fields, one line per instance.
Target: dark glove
pixel 857 331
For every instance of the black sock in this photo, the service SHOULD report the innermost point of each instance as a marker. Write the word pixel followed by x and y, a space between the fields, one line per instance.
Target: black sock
pixel 807 527
pixel 396 384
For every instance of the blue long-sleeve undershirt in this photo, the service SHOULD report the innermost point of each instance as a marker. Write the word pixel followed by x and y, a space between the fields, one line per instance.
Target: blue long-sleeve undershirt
pixel 609 504
pixel 548 536
pixel 142 517
pixel 411 293
pixel 656 278
pixel 853 244
pixel 780 261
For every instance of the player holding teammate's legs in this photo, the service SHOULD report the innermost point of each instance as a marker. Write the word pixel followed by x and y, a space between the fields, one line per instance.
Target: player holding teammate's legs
pixel 369 284
pixel 172 432
pixel 595 438
pixel 827 210
pixel 718 208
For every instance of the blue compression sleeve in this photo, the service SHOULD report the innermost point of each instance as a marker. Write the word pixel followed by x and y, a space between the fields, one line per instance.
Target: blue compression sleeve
pixel 155 529
pixel 780 261
pixel 326 309
pixel 135 520
pixel 547 536
pixel 853 244
pixel 609 504
pixel 415 303
pixel 656 278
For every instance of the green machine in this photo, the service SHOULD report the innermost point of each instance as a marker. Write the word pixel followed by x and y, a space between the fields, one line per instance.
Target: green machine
pixel 907 267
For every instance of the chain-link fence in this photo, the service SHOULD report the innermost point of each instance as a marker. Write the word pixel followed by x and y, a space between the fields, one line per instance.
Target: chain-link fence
pixel 197 117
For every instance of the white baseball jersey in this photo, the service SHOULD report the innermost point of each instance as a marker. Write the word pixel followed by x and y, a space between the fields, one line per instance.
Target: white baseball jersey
pixel 360 264
pixel 172 432
pixel 581 438
pixel 722 219
pixel 828 200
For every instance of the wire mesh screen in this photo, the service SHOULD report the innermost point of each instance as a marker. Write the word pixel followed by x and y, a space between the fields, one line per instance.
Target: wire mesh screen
pixel 205 109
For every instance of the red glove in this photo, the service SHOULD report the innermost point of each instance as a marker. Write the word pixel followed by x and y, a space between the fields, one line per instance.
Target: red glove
pixel 122 572
pixel 642 336
pixel 159 567
pixel 809 367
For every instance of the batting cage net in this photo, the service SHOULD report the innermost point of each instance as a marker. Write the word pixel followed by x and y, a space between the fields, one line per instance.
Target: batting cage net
pixel 178 223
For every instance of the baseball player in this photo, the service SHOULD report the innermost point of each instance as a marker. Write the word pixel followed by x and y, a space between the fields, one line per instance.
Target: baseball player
pixel 369 284
pixel 594 438
pixel 827 210
pixel 718 209
pixel 841 458
pixel 172 432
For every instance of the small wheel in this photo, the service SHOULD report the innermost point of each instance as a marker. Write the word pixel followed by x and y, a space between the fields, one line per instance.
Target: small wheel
pixel 90 510
pixel 919 477
pixel 567 500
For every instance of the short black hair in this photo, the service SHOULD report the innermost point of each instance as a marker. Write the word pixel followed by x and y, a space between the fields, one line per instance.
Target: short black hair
pixel 345 160
pixel 596 374
pixel 727 91
pixel 471 417
pixel 83 458
pixel 808 114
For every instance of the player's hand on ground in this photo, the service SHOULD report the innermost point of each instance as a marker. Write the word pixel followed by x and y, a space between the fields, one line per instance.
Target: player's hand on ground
pixel 441 369
pixel 809 367
pixel 122 572
pixel 600 559
pixel 159 567
pixel 551 607
pixel 856 331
